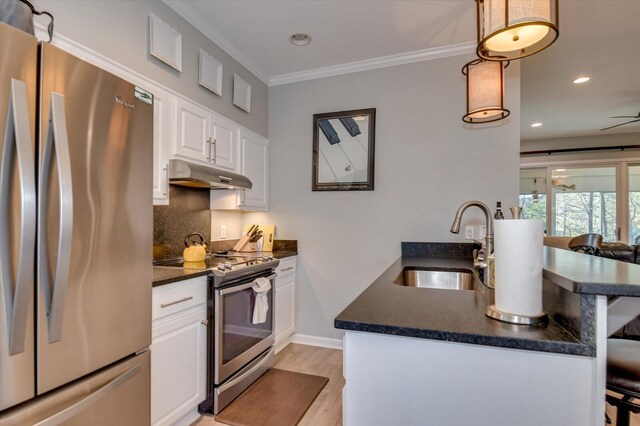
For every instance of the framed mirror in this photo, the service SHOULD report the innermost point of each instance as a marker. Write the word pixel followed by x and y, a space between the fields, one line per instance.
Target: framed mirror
pixel 343 150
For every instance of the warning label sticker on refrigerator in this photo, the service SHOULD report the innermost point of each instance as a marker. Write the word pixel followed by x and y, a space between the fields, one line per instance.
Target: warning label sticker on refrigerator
pixel 144 96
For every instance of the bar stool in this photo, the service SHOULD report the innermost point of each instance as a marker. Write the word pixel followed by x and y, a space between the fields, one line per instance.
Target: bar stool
pixel 586 243
pixel 623 377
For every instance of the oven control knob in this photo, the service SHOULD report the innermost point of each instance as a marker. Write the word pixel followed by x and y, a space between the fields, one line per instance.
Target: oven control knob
pixel 227 265
pixel 220 267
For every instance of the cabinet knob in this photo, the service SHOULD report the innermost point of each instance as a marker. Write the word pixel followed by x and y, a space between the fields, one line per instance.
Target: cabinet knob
pixel 204 322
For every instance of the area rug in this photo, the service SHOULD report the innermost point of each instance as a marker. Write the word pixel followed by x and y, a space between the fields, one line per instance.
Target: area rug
pixel 278 398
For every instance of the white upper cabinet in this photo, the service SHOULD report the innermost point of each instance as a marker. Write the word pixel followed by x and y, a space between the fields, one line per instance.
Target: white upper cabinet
pixel 225 143
pixel 255 166
pixel 205 137
pixel 162 132
pixel 193 135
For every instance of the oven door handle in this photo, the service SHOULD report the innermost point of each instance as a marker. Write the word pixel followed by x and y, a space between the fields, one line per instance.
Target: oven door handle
pixel 237 288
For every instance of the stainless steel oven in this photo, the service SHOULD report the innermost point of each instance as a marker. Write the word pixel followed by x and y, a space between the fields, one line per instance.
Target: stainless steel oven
pixel 237 341
pixel 239 351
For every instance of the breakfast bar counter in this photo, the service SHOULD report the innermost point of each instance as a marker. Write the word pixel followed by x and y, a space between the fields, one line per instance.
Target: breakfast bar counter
pixel 438 344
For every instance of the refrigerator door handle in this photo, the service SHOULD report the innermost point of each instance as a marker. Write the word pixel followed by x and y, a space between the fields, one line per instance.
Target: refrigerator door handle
pixel 91 399
pixel 18 142
pixel 57 139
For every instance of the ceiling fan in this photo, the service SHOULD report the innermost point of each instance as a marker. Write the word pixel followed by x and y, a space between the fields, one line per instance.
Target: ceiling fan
pixel 635 119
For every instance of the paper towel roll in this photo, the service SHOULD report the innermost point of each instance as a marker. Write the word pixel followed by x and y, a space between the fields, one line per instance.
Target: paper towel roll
pixel 518 263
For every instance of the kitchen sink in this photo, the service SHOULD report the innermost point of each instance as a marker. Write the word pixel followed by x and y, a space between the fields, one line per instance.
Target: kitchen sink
pixel 442 278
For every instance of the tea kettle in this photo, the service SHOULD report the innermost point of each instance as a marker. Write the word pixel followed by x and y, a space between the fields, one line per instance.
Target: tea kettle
pixel 194 252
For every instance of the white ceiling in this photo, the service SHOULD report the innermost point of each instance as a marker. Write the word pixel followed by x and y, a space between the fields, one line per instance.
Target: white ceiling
pixel 342 31
pixel 598 38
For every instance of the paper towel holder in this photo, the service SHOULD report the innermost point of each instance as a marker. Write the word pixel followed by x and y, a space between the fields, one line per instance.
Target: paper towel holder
pixel 493 312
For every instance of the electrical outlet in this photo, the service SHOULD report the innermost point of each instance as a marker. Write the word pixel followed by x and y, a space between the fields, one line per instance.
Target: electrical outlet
pixel 482 232
pixel 469 233
pixel 223 232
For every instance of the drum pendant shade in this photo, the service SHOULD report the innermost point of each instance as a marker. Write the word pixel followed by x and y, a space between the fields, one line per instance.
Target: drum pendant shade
pixel 514 29
pixel 485 91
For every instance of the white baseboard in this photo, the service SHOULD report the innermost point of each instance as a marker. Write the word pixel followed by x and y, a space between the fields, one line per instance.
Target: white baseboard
pixel 323 342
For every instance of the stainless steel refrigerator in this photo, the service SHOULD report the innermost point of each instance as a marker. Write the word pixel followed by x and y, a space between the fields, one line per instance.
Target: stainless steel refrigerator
pixel 76 223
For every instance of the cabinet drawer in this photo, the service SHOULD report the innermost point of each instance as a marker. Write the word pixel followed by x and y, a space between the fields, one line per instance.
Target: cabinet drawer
pixel 180 296
pixel 287 266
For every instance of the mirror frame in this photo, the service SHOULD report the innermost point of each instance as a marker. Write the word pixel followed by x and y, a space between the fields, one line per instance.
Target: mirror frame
pixel 367 185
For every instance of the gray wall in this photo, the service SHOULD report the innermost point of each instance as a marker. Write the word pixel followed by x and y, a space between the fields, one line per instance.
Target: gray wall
pixel 427 164
pixel 119 30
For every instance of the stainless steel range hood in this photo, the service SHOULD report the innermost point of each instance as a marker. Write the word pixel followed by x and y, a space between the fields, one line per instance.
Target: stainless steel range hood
pixel 184 173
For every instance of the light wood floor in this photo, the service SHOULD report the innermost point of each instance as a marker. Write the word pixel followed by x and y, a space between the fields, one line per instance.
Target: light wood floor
pixel 326 410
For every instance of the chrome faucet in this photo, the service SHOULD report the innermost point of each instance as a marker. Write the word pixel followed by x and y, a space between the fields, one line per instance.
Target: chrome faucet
pixel 488 246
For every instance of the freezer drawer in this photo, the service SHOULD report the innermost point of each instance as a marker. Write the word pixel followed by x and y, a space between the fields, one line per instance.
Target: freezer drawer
pixel 118 395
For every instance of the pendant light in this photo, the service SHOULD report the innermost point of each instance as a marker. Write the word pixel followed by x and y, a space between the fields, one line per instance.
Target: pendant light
pixel 514 29
pixel 485 91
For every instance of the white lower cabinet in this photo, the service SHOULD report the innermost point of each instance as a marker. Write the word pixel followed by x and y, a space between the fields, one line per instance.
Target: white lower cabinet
pixel 178 351
pixel 285 305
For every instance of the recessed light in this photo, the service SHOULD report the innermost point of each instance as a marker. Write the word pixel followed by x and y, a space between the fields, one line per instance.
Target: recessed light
pixel 536 124
pixel 360 118
pixel 300 39
pixel 581 80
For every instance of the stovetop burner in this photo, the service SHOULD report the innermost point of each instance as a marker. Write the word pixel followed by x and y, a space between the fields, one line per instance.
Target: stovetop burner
pixel 227 266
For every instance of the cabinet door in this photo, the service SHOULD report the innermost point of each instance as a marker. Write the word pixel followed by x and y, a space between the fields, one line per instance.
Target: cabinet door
pixel 178 350
pixel 162 131
pixel 255 167
pixel 178 368
pixel 285 308
pixel 192 132
pixel 225 143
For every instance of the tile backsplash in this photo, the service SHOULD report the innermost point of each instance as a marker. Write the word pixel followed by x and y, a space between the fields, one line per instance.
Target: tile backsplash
pixel 188 212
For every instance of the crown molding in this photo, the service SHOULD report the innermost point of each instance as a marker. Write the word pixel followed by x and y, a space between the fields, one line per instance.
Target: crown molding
pixel 183 9
pixel 375 63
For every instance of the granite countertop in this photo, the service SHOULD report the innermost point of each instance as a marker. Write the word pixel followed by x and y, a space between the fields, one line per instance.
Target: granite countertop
pixel 169 274
pixel 582 273
pixel 448 315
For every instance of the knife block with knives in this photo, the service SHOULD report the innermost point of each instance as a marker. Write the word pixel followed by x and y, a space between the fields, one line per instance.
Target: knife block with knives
pixel 249 242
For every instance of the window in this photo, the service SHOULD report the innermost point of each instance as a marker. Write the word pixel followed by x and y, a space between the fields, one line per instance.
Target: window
pixel 584 202
pixel 579 200
pixel 634 205
pixel 533 197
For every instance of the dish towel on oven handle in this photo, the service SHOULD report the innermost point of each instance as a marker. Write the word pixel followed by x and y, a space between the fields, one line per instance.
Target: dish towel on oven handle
pixel 261 286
